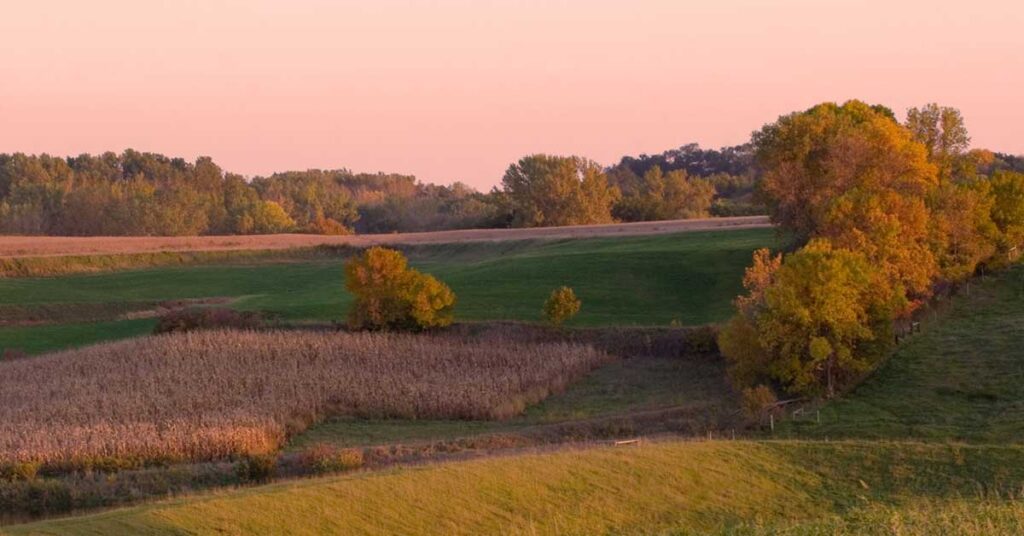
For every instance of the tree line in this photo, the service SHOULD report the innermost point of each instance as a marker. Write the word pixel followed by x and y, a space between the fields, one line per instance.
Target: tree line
pixel 137 193
pixel 883 215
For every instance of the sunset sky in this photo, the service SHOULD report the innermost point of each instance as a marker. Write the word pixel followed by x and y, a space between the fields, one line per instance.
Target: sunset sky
pixel 457 89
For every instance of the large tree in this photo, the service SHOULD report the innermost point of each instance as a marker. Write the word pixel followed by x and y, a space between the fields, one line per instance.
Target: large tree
pixel 942 131
pixel 811 324
pixel 547 190
pixel 853 175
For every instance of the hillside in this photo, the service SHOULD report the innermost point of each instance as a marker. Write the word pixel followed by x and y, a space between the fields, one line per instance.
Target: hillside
pixel 677 487
pixel 901 485
pixel 961 378
pixel 690 278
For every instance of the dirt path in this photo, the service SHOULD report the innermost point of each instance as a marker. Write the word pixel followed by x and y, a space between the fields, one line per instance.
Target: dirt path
pixel 48 246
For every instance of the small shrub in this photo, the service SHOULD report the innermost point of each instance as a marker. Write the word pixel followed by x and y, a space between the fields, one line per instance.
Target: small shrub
pixel 323 458
pixel 20 471
pixel 199 318
pixel 702 340
pixel 256 468
pixel 758 402
pixel 390 295
pixel 561 306
pixel 11 354
pixel 327 226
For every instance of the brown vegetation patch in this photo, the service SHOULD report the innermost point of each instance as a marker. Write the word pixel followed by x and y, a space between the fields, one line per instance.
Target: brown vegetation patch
pixel 208 395
pixel 38 246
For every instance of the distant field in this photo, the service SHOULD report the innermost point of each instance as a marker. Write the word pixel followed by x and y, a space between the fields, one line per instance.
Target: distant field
pixel 690 278
pixel 672 487
pixel 33 246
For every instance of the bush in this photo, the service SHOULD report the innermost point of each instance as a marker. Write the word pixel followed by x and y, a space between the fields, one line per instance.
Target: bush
pixel 256 468
pixel 562 305
pixel 199 318
pixel 20 471
pixel 390 295
pixel 323 458
pixel 758 402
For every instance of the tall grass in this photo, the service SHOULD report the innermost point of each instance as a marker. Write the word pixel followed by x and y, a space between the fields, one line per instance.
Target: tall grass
pixel 207 395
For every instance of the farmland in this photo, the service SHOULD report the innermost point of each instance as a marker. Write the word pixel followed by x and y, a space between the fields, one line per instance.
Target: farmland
pixel 949 463
pixel 689 278
pixel 211 395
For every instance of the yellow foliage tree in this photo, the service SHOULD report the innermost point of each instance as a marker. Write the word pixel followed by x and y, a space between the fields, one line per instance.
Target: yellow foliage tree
pixel 561 305
pixel 390 295
pixel 823 319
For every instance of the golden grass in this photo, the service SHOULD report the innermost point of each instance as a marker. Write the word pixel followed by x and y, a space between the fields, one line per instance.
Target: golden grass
pixel 39 246
pixel 206 395
pixel 715 487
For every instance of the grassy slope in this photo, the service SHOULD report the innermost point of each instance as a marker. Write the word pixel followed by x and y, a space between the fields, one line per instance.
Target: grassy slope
pixel 690 277
pixel 622 387
pixel 961 378
pixel 696 487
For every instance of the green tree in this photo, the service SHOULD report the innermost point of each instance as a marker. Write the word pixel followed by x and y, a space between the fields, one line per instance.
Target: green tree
pixel 557 190
pixel 561 305
pixel 390 295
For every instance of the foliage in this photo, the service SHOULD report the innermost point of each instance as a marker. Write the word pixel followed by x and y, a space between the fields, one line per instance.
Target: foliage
pixel 390 295
pixel 561 305
pixel 812 324
pixel 558 190
pixel 187 319
pixel 324 458
pixel 941 129
pixel 256 468
pixel 1008 210
pixel 661 196
pixel 758 401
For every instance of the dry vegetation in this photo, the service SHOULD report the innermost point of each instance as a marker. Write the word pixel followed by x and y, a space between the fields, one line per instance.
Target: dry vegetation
pixel 206 395
pixel 38 246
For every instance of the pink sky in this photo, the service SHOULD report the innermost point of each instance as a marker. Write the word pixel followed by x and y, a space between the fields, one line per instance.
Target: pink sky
pixel 457 89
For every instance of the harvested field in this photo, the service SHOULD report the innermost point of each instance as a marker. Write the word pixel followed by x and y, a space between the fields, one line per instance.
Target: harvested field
pixel 40 246
pixel 208 395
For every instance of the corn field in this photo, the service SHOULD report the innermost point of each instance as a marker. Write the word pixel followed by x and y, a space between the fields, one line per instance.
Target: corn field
pixel 209 395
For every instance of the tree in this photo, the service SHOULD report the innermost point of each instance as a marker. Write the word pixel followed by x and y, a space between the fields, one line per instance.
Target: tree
pixel 561 306
pixel 661 196
pixel 941 129
pixel 557 190
pixel 822 320
pixel 390 295
pixel 1008 211
pixel 853 175
pixel 962 232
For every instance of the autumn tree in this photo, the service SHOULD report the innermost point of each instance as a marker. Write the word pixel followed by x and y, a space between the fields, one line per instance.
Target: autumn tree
pixel 391 295
pixel 812 323
pixel 942 131
pixel 549 190
pixel 1008 211
pixel 561 305
pixel 853 175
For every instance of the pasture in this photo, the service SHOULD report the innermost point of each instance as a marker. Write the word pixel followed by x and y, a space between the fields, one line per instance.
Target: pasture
pixel 689 278
pixel 701 487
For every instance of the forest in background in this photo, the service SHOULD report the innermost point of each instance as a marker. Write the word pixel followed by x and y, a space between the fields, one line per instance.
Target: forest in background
pixel 146 194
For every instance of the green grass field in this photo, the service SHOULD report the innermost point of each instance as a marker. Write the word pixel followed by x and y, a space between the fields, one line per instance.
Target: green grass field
pixel 690 278
pixel 961 378
pixel 717 487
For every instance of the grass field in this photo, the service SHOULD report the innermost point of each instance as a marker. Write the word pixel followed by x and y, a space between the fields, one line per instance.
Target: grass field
pixel 961 378
pixel 716 487
pixel 690 278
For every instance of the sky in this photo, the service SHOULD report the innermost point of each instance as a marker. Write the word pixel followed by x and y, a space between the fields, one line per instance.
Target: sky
pixel 456 90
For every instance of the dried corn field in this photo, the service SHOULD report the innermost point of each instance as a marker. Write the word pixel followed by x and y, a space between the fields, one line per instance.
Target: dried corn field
pixel 207 395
